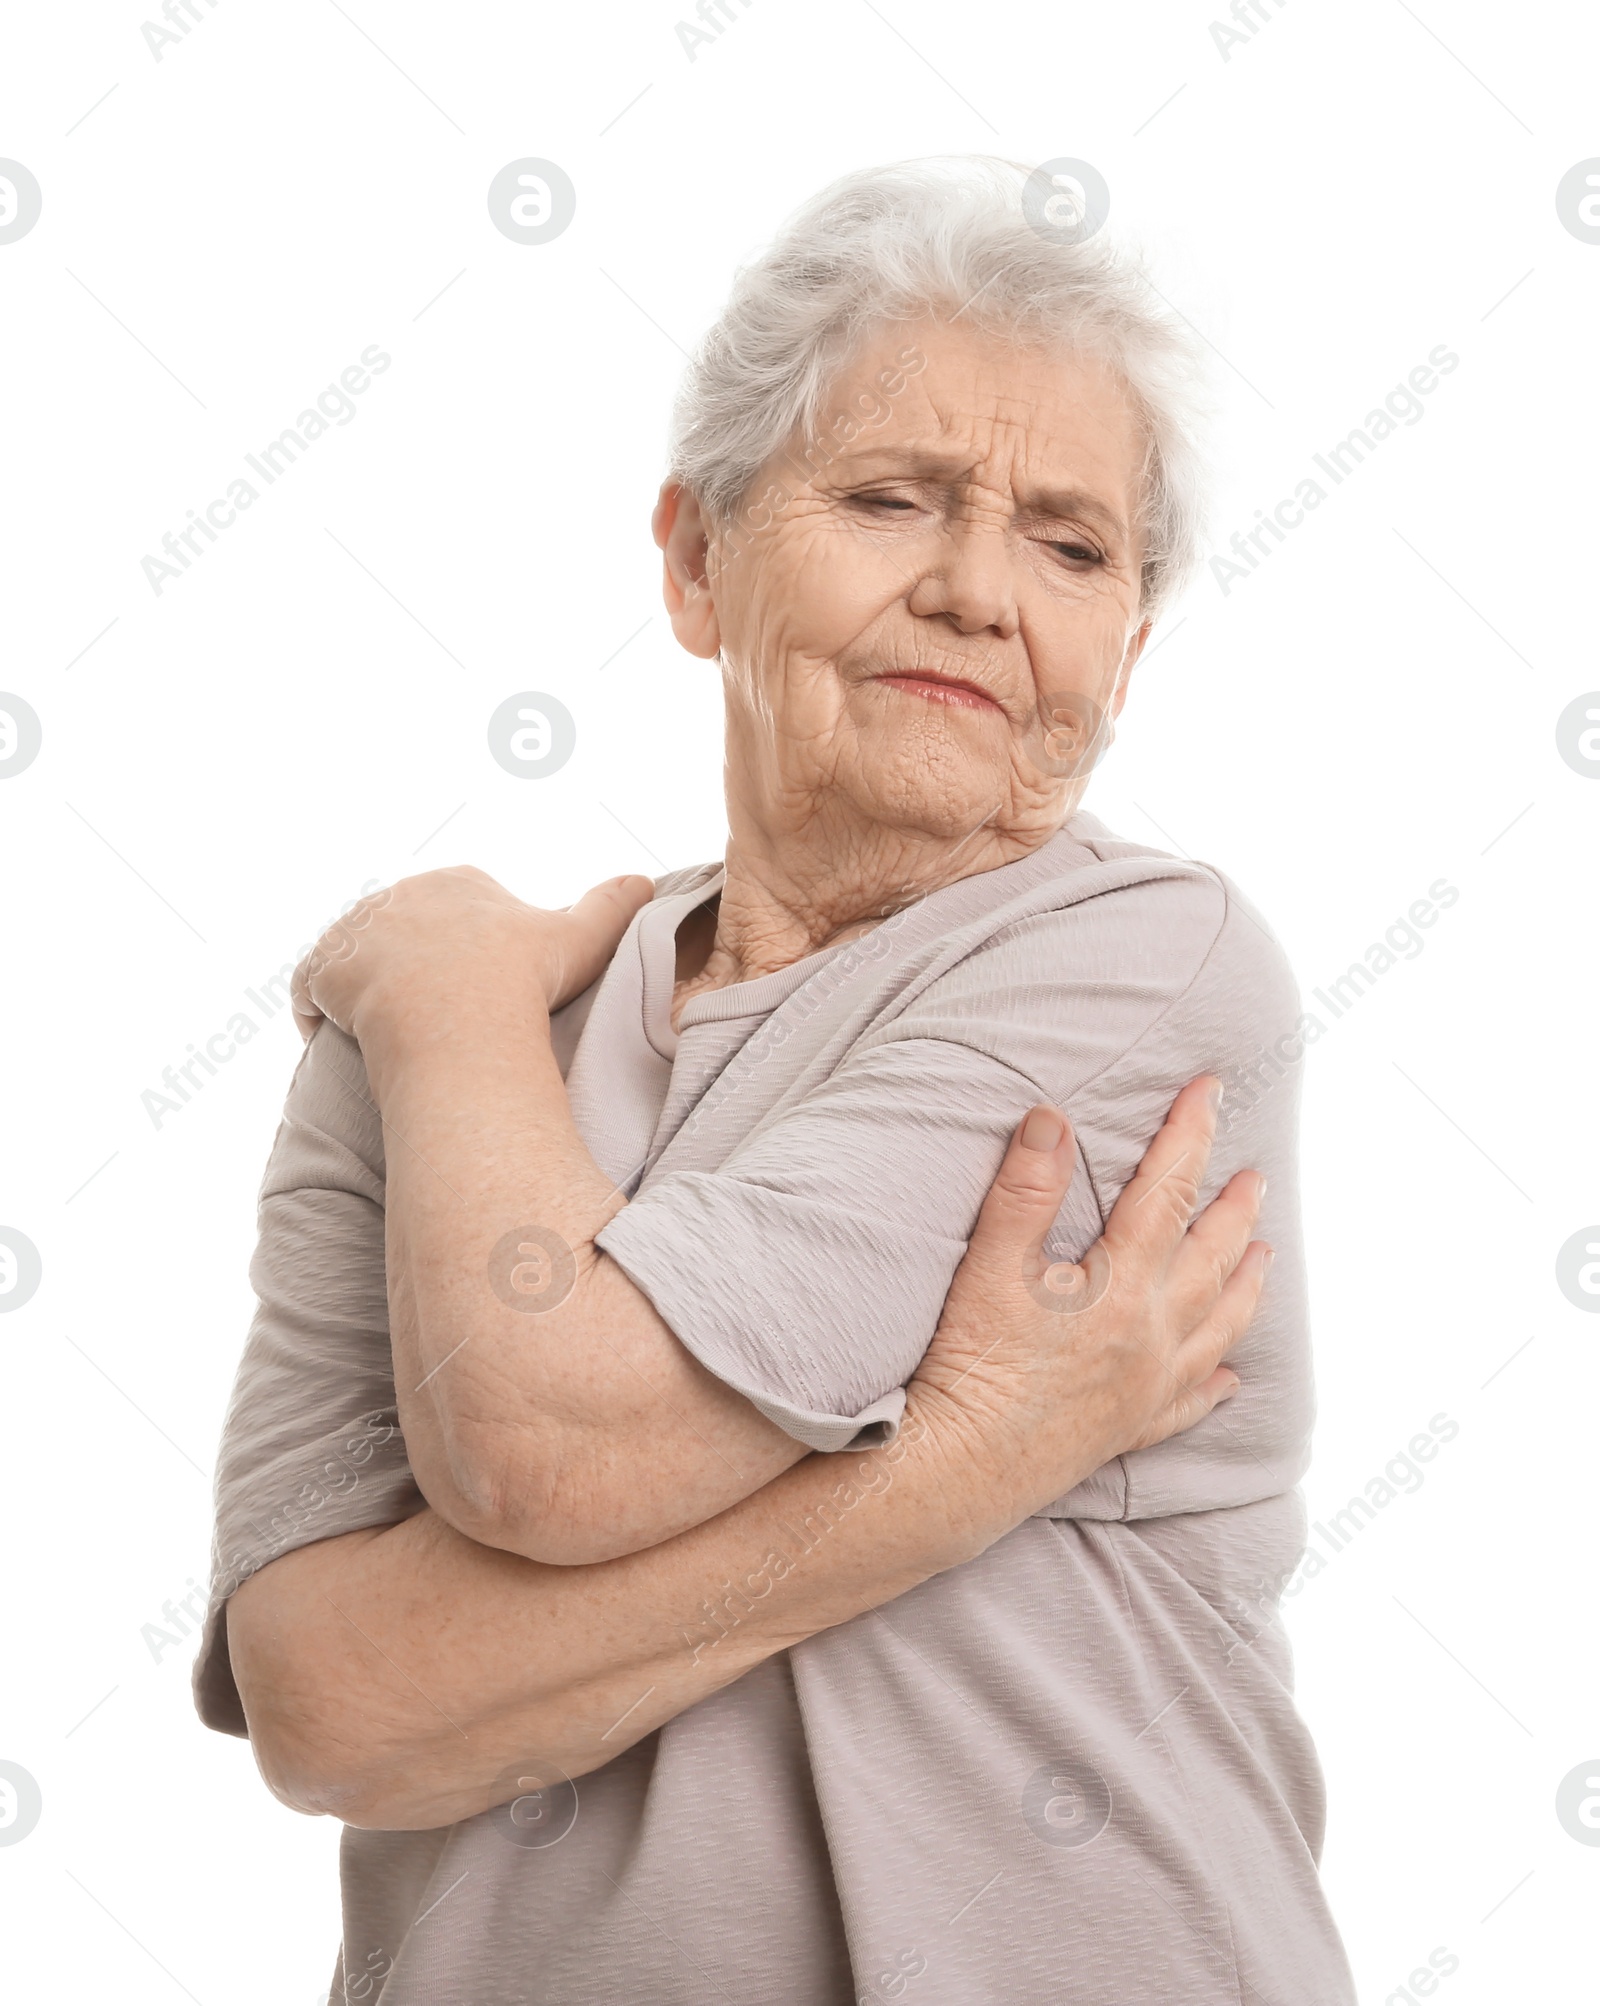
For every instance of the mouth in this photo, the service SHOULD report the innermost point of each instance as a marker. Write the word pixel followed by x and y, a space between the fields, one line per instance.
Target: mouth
pixel 934 688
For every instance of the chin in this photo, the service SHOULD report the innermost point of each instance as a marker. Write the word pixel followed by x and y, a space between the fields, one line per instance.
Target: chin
pixel 946 805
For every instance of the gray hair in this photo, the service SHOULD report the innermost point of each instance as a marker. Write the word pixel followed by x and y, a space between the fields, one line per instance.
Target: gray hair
pixel 939 237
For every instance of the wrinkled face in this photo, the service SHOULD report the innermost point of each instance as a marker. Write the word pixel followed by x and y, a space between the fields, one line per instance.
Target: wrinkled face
pixel 927 616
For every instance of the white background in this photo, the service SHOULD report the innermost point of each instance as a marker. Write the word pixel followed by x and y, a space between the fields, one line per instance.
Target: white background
pixel 227 763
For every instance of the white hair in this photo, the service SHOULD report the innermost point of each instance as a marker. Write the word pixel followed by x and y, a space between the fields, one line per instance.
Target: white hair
pixel 938 237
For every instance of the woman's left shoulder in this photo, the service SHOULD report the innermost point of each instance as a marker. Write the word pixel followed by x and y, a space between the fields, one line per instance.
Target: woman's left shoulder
pixel 1185 909
pixel 1186 969
pixel 1093 946
pixel 1120 929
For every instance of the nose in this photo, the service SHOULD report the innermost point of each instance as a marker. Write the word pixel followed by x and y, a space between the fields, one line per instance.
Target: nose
pixel 970 582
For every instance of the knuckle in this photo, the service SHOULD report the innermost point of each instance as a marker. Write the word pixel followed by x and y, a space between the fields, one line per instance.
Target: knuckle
pixel 1164 1211
pixel 1006 1215
pixel 1224 1260
pixel 1041 1173
pixel 1028 1183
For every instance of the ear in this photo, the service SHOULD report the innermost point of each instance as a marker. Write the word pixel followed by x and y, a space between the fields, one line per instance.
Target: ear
pixel 681 534
pixel 1131 654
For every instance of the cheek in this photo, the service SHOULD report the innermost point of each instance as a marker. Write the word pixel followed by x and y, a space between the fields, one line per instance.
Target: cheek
pixel 1078 648
pixel 843 580
pixel 810 593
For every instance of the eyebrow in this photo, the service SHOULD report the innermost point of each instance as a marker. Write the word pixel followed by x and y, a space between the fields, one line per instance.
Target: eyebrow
pixel 920 464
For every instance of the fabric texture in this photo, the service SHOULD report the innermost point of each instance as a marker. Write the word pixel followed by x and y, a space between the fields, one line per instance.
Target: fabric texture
pixel 1068 1771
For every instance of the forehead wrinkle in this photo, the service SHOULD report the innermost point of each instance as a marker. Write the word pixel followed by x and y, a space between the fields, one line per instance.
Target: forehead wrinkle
pixel 963 438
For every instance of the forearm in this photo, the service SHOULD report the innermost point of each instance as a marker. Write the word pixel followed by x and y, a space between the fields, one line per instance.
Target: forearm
pixel 567 1427
pixel 396 1678
pixel 400 1678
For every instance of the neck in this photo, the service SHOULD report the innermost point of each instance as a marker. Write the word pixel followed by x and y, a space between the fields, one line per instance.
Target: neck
pixel 788 892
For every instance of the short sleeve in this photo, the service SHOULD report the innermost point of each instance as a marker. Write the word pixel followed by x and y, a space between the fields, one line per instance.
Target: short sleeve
pixel 311 1445
pixel 809 1270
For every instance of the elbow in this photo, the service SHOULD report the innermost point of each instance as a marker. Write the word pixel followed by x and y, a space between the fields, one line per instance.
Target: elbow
pixel 314 1768
pixel 491 1484
pixel 555 1536
pixel 558 1502
pixel 328 1767
pixel 302 1773
pixel 319 1741
pixel 303 1760
pixel 566 1543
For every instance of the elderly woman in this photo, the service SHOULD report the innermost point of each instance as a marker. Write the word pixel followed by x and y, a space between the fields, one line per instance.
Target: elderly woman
pixel 701 1546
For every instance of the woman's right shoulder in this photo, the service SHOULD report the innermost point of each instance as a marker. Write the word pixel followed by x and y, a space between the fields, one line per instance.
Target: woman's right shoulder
pixel 331 1134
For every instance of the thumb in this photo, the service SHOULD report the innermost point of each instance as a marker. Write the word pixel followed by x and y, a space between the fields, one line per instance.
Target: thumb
pixel 307 1015
pixel 613 903
pixel 1026 1194
pixel 593 928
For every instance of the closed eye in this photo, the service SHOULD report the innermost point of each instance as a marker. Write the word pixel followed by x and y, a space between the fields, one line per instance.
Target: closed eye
pixel 1079 553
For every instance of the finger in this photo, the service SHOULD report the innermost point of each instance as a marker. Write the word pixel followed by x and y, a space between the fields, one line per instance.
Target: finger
pixel 633 889
pixel 1153 1211
pixel 1200 1381
pixel 1213 1247
pixel 1220 1329
pixel 1222 1385
pixel 1197 1401
pixel 1024 1198
pixel 592 929
pixel 1190 1406
pixel 336 943
pixel 306 1014
pixel 608 907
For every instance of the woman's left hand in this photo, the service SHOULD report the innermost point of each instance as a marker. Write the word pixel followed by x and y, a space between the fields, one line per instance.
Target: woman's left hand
pixel 447 933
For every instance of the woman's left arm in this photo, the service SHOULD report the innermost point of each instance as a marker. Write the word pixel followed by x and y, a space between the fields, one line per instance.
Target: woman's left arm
pixel 583 1430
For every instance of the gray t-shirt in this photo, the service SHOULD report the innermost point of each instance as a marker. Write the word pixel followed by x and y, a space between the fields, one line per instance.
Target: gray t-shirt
pixel 1068 1771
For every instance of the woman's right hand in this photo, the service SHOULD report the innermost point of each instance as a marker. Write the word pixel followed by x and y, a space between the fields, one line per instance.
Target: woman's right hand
pixel 1039 1373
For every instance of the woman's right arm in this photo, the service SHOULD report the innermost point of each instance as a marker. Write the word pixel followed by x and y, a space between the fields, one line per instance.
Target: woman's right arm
pixel 405 1677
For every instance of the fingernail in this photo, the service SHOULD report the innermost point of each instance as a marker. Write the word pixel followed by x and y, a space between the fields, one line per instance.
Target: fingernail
pixel 1267 1260
pixel 1043 1130
pixel 1214 1095
pixel 1228 1392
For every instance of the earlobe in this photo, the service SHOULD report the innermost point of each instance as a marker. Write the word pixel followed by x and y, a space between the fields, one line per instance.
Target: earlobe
pixel 1131 654
pixel 680 532
pixel 692 610
pixel 697 629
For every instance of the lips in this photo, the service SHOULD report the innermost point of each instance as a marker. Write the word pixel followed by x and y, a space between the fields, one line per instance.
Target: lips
pixel 932 688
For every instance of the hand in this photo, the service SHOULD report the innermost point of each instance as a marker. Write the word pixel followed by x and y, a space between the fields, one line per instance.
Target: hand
pixel 1038 1374
pixel 444 933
